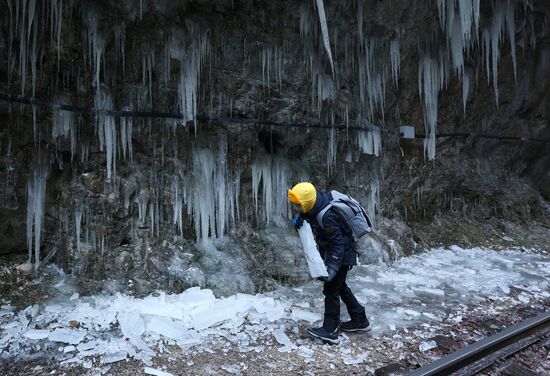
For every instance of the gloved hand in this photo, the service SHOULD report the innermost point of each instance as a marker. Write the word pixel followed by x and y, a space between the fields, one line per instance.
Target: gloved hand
pixel 331 275
pixel 297 221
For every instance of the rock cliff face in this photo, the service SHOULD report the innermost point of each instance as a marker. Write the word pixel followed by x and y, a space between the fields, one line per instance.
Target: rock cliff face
pixel 195 193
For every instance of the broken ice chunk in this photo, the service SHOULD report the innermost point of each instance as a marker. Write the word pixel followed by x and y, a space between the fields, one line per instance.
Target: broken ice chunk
pixel 70 336
pixel 282 338
pixel 350 360
pixel 505 289
pixel 113 358
pixel 37 333
pixel 524 298
pixel 74 296
pixel 156 372
pixel 131 324
pixel 428 345
pixel 300 314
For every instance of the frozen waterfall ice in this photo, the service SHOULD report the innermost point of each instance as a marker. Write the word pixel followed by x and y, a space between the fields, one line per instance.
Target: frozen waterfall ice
pixel 36 200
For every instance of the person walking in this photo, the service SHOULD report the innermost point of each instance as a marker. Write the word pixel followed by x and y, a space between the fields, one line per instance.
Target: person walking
pixel 336 245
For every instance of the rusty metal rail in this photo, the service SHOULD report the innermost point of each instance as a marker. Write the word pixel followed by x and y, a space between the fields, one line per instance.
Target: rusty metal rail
pixel 486 347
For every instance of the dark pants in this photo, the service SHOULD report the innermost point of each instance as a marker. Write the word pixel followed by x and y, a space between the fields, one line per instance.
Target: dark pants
pixel 334 291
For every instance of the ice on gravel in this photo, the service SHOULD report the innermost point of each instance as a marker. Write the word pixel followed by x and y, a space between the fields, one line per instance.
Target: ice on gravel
pixel 426 288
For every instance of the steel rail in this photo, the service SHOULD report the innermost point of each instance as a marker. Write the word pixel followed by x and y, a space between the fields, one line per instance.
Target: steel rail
pixel 472 353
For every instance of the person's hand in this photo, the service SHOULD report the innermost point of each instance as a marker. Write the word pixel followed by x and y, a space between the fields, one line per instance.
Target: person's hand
pixel 297 222
pixel 331 275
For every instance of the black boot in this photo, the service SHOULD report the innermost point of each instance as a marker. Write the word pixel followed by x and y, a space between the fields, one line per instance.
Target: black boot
pixel 358 323
pixel 328 332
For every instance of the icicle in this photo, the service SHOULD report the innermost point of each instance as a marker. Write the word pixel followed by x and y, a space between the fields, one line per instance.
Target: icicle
pixel 64 125
pixel 36 198
pixel 202 208
pixel 325 89
pixel 511 27
pixel 142 201
pixel 220 185
pixel 466 10
pixel 324 30
pixel 372 77
pixel 431 78
pixel 26 27
pixel 120 45
pixel 360 23
pixel 373 202
pixel 457 46
pixel 177 205
pixel 306 22
pixel 496 30
pixel 96 45
pixel 370 142
pixel 274 177
pixel 395 60
pixel 148 64
pixel 265 58
pixel 107 130
pixel 331 150
pixel 78 225
pixel 126 134
pixel 465 89
pixel 190 76
pixel 56 21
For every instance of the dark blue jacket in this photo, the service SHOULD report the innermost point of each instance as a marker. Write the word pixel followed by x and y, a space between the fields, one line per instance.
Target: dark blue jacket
pixel 335 242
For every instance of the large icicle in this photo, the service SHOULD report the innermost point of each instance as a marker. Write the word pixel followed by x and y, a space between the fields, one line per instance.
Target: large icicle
pixel 126 125
pixel 36 198
pixel 431 78
pixel 324 30
pixel 190 76
pixel 213 199
pixel 370 142
pixel 96 44
pixel 273 174
pixel 395 59
pixel 64 125
pixel 106 130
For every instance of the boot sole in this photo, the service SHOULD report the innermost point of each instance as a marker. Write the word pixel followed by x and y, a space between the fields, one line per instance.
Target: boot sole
pixel 325 339
pixel 361 330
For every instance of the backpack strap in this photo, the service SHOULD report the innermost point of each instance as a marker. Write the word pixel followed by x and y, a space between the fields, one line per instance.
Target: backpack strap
pixel 321 214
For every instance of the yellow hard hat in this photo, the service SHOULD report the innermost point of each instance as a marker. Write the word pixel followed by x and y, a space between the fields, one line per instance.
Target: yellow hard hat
pixel 304 194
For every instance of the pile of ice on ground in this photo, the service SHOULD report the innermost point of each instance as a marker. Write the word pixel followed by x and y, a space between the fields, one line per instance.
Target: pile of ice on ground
pixel 422 288
pixel 114 327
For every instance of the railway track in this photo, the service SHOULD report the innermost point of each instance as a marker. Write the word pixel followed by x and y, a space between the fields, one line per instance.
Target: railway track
pixel 489 351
